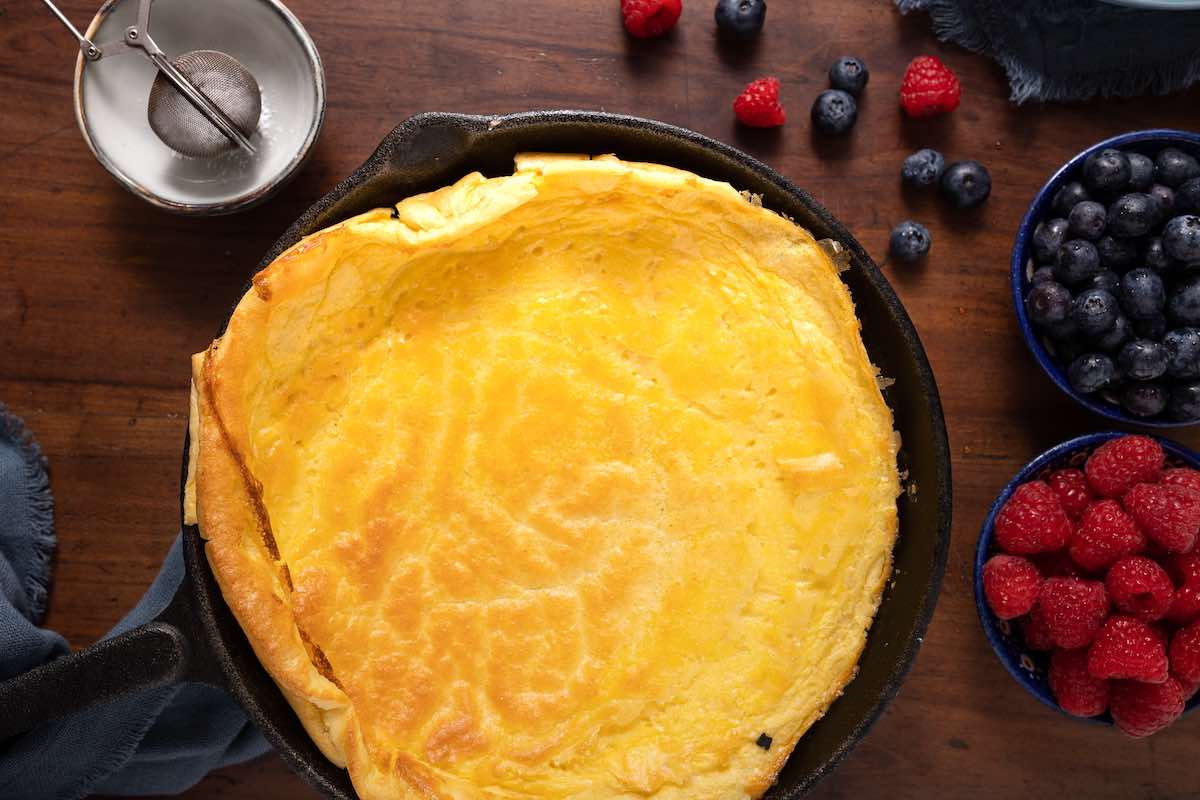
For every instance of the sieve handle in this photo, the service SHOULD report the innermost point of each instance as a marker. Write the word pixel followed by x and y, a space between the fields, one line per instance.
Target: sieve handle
pixel 90 51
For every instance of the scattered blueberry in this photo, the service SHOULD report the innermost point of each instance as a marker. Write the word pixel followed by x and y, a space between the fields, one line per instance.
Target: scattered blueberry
pixel 1165 197
pixel 1155 257
pixel 1187 197
pixel 1041 275
pixel 1086 220
pixel 1077 260
pixel 1144 399
pixel 924 168
pixel 1067 197
pixel 1117 335
pixel 1183 306
pixel 1094 311
pixel 1184 402
pixel 1090 372
pixel 910 241
pixel 966 183
pixel 1106 172
pixel 1141 171
pixel 1048 303
pixel 1142 293
pixel 1117 253
pixel 1173 166
pixel 1183 352
pixel 1107 280
pixel 834 112
pixel 849 74
pixel 741 19
pixel 1143 360
pixel 1152 328
pixel 1048 236
pixel 1132 215
pixel 1181 239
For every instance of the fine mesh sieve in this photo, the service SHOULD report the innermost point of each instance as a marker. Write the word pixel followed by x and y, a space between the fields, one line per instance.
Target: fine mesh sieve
pixel 225 82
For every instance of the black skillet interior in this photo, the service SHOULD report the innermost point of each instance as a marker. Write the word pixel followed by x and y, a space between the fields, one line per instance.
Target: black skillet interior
pixel 432 150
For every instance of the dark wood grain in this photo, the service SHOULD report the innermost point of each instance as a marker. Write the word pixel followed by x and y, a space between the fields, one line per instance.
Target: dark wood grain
pixel 102 299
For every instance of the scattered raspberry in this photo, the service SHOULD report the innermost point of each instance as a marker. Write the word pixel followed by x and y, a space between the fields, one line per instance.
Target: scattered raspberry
pixel 1184 655
pixel 1140 587
pixel 1170 515
pixel 1185 607
pixel 1182 476
pixel 1118 464
pixel 1072 609
pixel 647 19
pixel 1076 691
pixel 929 88
pixel 758 104
pixel 1011 584
pixel 1056 565
pixel 1072 489
pixel 1141 709
pixel 1106 534
pixel 1032 521
pixel 1128 648
pixel 1036 633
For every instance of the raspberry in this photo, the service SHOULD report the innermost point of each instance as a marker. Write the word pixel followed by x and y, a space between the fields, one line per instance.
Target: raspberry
pixel 758 104
pixel 1118 464
pixel 1141 709
pixel 1184 655
pixel 1056 565
pixel 1182 476
pixel 1037 635
pixel 1072 489
pixel 647 19
pixel 1032 521
pixel 1140 587
pixel 1184 568
pixel 1076 691
pixel 1170 515
pixel 929 88
pixel 1106 534
pixel 1010 584
pixel 1073 610
pixel 1185 607
pixel 1128 648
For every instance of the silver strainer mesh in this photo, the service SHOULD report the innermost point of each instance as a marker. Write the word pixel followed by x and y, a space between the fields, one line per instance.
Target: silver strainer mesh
pixel 225 82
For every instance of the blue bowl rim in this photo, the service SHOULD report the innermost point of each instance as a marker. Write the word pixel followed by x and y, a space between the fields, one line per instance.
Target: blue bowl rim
pixel 989 621
pixel 1020 254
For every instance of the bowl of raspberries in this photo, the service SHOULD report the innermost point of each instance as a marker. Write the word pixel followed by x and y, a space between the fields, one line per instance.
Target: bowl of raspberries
pixel 1087 580
pixel 1106 277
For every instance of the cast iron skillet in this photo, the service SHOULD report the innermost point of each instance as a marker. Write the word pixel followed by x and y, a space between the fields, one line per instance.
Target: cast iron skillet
pixel 197 638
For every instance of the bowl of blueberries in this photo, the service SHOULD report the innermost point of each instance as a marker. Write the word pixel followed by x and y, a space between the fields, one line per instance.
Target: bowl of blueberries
pixel 1106 278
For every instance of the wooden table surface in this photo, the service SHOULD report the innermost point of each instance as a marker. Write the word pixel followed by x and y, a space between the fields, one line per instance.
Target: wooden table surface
pixel 102 299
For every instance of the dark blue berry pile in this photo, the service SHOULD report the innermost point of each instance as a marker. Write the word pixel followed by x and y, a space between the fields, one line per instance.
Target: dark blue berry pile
pixel 1115 281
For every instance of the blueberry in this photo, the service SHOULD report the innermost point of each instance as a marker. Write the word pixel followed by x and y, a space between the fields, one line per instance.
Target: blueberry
pixel 909 241
pixel 1076 261
pixel 1117 335
pixel 1143 360
pixel 1165 197
pixel 1144 399
pixel 1107 280
pixel 741 19
pixel 1152 328
pixel 1094 311
pixel 1141 171
pixel 924 168
pixel 1183 305
pixel 1067 197
pixel 1041 275
pixel 1086 220
pixel 1173 166
pixel 1048 236
pixel 1048 303
pixel 1184 402
pixel 1120 254
pixel 966 183
pixel 1181 239
pixel 1187 197
pixel 849 74
pixel 1067 350
pixel 1155 256
pixel 1106 172
pixel 834 112
pixel 1090 372
pixel 1142 293
pixel 1183 352
pixel 1064 332
pixel 1132 215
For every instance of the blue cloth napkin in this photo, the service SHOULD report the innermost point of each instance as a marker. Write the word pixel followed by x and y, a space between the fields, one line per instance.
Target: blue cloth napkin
pixel 1067 50
pixel 159 741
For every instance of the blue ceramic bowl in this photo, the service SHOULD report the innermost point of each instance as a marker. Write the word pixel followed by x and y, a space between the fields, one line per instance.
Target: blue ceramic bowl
pixel 1148 142
pixel 1029 667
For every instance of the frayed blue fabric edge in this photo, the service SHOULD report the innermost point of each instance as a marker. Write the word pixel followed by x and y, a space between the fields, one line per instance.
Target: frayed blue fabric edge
pixel 950 24
pixel 40 503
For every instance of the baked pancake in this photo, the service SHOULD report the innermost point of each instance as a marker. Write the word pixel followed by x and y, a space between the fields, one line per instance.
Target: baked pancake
pixel 572 483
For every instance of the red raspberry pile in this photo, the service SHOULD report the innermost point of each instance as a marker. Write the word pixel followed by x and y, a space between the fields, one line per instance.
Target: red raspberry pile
pixel 1100 567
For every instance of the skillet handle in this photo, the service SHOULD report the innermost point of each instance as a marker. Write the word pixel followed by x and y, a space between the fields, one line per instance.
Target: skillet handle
pixel 156 654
